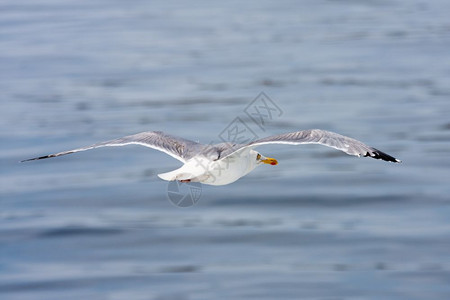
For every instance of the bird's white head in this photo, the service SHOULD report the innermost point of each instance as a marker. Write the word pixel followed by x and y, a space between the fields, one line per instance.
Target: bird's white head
pixel 261 159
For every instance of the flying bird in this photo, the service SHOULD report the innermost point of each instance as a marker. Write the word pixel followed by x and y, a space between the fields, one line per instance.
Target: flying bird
pixel 224 163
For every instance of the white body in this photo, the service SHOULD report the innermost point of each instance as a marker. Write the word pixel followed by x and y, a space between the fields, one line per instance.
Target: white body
pixel 218 172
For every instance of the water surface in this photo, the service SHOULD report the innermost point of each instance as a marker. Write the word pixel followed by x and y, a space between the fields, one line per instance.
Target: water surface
pixel 320 225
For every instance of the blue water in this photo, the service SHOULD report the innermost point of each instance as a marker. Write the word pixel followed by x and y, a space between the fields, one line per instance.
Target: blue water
pixel 320 225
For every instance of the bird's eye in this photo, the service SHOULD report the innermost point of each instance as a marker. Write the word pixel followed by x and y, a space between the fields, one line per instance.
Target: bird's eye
pixel 258 156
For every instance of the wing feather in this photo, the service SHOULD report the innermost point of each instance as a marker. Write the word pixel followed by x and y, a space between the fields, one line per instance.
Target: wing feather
pixel 317 136
pixel 176 147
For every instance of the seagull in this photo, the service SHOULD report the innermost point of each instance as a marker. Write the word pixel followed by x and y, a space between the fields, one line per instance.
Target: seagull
pixel 224 163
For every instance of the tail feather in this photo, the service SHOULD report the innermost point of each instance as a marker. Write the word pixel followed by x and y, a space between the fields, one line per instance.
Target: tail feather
pixel 175 175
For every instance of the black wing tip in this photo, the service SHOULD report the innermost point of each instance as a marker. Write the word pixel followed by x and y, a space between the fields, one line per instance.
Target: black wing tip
pixel 37 158
pixel 377 154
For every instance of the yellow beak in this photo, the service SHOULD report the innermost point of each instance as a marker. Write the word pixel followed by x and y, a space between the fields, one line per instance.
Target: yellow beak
pixel 270 161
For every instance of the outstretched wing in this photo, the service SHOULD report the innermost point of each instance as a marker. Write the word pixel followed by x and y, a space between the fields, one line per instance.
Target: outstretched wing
pixel 176 147
pixel 317 136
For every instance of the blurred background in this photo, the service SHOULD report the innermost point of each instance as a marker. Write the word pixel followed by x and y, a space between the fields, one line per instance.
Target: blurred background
pixel 320 225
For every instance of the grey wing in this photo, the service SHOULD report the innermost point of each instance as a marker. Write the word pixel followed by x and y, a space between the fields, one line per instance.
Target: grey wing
pixel 176 147
pixel 322 137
